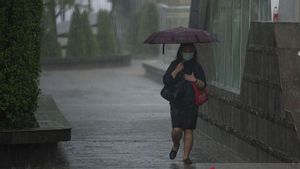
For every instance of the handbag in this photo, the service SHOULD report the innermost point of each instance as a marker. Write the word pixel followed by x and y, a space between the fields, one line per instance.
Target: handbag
pixel 170 93
pixel 201 96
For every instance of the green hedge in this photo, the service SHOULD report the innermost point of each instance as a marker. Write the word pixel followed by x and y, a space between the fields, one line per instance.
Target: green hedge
pixel 19 61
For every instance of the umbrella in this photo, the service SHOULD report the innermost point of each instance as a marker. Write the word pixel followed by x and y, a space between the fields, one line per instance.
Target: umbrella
pixel 180 35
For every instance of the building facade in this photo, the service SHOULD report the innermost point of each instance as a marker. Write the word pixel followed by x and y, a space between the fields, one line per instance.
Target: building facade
pixel 229 21
pixel 253 79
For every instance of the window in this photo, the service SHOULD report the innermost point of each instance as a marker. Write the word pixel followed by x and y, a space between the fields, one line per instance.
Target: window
pixel 229 21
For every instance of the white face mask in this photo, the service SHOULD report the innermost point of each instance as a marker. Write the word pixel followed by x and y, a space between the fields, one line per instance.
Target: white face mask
pixel 187 55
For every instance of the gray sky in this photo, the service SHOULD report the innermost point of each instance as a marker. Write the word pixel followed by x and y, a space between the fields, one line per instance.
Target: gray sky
pixel 96 5
pixel 104 4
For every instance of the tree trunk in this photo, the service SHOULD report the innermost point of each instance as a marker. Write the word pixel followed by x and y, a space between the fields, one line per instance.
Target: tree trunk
pixel 89 6
pixel 53 13
pixel 63 12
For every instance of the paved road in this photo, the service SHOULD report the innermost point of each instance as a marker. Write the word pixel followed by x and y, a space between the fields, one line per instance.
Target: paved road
pixel 119 120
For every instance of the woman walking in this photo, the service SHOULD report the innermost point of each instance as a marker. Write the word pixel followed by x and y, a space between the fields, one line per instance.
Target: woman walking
pixel 186 71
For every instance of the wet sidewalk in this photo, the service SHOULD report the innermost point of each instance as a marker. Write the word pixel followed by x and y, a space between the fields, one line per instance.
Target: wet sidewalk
pixel 119 120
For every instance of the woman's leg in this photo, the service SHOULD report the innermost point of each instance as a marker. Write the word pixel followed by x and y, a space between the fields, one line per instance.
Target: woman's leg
pixel 188 143
pixel 176 137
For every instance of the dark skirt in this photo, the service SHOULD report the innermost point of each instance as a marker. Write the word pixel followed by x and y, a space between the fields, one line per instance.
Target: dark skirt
pixel 184 117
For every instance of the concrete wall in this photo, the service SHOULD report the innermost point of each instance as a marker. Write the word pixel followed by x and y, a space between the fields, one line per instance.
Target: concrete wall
pixel 262 122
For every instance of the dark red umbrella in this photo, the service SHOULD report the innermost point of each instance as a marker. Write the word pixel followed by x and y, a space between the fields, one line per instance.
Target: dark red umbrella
pixel 180 35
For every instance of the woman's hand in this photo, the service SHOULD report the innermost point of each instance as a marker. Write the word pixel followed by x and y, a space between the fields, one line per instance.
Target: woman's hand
pixel 178 68
pixel 190 78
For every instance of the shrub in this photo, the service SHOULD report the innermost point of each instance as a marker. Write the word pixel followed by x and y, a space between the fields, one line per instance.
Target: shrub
pixel 106 37
pixel 81 41
pixel 75 46
pixel 131 36
pixel 148 23
pixel 90 44
pixel 19 61
pixel 50 46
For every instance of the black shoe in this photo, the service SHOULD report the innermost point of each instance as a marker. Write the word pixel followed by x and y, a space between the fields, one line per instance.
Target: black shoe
pixel 187 161
pixel 173 153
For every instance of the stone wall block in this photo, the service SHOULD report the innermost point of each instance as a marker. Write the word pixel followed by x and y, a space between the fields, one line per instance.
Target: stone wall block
pixel 252 126
pixel 287 35
pixel 244 121
pixel 221 112
pixel 290 76
pixel 248 60
pixel 263 157
pixel 262 130
pixel 268 107
pixel 292 143
pixel 236 115
pixel 262 37
pixel 228 115
pixel 271 83
pixel 214 109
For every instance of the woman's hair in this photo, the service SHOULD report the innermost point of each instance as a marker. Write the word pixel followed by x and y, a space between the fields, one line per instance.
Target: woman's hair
pixel 179 52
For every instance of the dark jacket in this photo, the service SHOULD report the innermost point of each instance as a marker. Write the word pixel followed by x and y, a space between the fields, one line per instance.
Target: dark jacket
pixel 186 96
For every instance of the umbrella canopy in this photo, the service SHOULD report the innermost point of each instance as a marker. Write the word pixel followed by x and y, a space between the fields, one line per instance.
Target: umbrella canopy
pixel 180 35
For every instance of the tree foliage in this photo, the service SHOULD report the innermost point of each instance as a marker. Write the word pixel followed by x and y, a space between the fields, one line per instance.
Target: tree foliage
pixel 62 5
pixel 81 41
pixel 131 36
pixel 123 16
pixel 90 43
pixel 148 23
pixel 75 46
pixel 106 37
pixel 50 45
